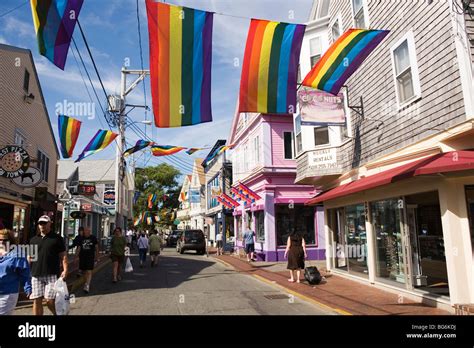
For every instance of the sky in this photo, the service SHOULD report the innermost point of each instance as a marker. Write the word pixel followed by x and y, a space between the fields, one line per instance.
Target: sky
pixel 111 29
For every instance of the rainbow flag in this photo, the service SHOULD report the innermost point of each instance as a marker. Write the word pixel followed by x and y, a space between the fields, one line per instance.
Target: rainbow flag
pixel 54 22
pixel 149 220
pixel 100 141
pixel 157 218
pixel 216 153
pixel 69 129
pixel 343 58
pixel 165 150
pixel 151 200
pixel 139 145
pixel 244 189
pixel 193 150
pixel 180 64
pixel 269 72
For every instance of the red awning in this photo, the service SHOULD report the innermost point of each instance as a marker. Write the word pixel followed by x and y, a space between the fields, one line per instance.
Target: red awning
pixel 440 163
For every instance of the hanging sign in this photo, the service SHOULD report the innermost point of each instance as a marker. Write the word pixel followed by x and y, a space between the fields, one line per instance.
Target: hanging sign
pixel 109 197
pixel 30 178
pixel 14 161
pixel 321 108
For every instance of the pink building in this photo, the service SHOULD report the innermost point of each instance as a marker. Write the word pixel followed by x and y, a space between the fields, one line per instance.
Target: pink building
pixel 263 159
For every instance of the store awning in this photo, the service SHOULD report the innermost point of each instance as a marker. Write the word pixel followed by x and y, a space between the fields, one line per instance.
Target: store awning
pixel 439 163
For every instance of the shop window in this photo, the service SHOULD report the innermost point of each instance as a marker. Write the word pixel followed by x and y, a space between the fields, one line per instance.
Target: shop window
pixel 407 81
pixel 470 209
pixel 43 165
pixel 296 217
pixel 387 223
pixel 321 136
pixel 238 227
pixel 260 226
pixel 356 239
pixel 425 234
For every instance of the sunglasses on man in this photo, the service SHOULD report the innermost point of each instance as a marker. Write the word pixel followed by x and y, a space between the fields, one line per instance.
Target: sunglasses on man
pixel 42 223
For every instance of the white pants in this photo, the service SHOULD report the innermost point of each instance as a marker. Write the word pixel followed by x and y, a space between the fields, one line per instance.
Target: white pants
pixel 8 303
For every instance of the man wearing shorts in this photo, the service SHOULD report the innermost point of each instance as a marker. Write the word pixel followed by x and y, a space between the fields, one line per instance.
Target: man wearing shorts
pixel 88 253
pixel 219 243
pixel 249 244
pixel 46 268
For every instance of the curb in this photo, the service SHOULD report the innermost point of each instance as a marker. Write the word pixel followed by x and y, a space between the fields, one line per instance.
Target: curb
pixel 301 296
pixel 290 291
pixel 78 282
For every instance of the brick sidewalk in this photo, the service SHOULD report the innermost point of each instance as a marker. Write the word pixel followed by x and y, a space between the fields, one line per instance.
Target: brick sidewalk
pixel 339 293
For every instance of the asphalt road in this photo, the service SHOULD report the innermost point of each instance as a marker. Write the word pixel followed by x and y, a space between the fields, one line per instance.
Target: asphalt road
pixel 185 284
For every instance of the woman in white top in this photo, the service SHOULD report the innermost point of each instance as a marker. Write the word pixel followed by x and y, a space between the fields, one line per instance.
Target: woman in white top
pixel 142 249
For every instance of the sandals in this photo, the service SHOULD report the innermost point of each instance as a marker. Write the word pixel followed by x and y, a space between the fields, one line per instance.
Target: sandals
pixel 291 280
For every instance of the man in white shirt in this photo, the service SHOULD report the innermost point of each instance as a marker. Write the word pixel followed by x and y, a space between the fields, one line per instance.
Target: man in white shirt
pixel 142 248
pixel 219 242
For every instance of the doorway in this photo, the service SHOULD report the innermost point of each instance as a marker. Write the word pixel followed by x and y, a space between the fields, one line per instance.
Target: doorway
pixel 428 259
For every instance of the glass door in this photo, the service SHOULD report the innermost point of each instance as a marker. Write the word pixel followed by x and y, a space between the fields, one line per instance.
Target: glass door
pixel 340 240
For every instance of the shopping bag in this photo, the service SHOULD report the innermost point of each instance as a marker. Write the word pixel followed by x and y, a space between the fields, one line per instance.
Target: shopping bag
pixel 62 297
pixel 128 266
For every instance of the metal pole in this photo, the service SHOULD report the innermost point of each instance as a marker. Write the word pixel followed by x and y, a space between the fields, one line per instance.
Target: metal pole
pixel 224 237
pixel 118 157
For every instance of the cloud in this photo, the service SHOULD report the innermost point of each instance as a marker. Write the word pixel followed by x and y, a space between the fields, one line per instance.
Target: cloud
pixel 3 40
pixel 19 28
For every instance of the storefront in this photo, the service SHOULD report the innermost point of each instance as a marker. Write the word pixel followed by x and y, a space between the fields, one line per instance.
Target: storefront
pixel 278 213
pixel 409 227
pixel 14 215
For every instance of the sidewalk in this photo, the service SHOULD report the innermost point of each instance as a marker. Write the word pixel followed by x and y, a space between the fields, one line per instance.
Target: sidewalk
pixel 343 295
pixel 73 281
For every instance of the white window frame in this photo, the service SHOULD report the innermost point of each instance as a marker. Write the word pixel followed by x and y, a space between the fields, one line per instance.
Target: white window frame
pixel 410 38
pixel 20 134
pixel 256 145
pixel 320 37
pixel 337 19
pixel 365 8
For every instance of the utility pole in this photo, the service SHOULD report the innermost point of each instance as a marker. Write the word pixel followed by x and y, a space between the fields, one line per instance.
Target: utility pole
pixel 224 235
pixel 120 110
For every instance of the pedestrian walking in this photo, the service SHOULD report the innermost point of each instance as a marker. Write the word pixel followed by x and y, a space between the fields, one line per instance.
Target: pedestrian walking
pixel 296 253
pixel 142 248
pixel 46 268
pixel 75 243
pixel 117 253
pixel 134 239
pixel 14 271
pixel 88 253
pixel 156 245
pixel 249 239
pixel 219 242
pixel 129 238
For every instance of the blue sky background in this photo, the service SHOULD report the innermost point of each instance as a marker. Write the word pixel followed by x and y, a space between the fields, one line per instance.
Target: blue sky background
pixel 111 30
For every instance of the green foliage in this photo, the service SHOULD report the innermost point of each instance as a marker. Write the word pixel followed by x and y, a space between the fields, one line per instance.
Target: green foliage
pixel 160 180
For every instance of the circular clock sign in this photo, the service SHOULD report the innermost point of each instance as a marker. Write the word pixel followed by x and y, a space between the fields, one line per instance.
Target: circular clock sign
pixel 14 161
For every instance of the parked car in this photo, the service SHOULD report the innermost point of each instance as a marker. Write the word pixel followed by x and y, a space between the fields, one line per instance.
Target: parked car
pixel 173 238
pixel 191 240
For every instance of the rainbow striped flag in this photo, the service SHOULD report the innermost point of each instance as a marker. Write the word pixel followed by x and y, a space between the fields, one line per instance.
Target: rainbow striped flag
pixel 151 200
pixel 193 150
pixel 139 145
pixel 54 22
pixel 69 129
pixel 269 72
pixel 216 153
pixel 180 64
pixel 343 58
pixel 100 141
pixel 165 150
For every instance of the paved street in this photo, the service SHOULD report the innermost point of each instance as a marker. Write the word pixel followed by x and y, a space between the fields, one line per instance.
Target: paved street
pixel 185 284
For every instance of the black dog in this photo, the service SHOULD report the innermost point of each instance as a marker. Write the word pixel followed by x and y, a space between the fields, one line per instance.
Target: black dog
pixel 27 175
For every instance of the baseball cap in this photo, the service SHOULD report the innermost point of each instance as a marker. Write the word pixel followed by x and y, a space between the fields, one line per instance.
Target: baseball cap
pixel 44 218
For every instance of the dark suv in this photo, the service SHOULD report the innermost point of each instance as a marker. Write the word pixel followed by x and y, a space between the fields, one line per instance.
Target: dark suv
pixel 173 238
pixel 191 240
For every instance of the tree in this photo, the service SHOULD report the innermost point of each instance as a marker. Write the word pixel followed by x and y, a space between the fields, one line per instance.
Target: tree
pixel 162 181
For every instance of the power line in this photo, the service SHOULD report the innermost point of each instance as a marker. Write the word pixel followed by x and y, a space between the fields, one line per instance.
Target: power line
pixel 14 9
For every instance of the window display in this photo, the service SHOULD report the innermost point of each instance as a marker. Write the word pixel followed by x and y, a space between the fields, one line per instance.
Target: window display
pixel 299 218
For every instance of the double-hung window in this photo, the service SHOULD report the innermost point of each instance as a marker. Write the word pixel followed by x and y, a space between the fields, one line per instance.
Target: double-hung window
pixel 360 14
pixel 405 67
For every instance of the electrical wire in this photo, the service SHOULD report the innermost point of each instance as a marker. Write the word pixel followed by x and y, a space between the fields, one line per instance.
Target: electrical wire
pixel 14 9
